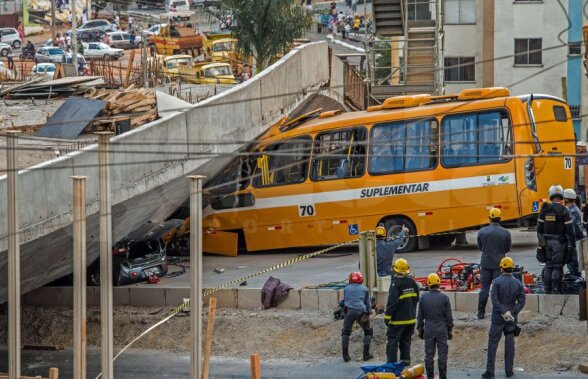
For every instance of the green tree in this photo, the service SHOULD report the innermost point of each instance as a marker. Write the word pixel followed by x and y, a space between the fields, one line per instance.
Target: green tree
pixel 266 28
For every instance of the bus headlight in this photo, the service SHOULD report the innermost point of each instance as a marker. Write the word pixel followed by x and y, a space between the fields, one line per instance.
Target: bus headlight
pixel 530 178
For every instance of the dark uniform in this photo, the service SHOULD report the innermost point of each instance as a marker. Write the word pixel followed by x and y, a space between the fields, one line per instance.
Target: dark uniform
pixel 572 261
pixel 494 241
pixel 357 305
pixel 508 294
pixel 555 225
pixel 400 317
pixel 435 323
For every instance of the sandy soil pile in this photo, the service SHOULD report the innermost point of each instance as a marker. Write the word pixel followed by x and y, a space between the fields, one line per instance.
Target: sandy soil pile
pixel 546 343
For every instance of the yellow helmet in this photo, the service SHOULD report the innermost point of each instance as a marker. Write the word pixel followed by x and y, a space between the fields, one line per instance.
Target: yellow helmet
pixel 433 280
pixel 380 231
pixel 401 266
pixel 506 262
pixel 494 213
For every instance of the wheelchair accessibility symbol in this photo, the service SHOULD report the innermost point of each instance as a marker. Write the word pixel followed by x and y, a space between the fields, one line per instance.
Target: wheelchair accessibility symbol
pixel 353 229
pixel 535 207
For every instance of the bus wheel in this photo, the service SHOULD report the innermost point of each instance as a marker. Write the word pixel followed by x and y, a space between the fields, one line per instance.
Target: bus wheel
pixel 409 243
pixel 442 240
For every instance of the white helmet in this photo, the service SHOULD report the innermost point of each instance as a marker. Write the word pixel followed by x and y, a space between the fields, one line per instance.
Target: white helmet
pixel 581 144
pixel 570 194
pixel 556 190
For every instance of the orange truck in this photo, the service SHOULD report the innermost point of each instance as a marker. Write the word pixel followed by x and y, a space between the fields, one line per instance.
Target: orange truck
pixel 177 40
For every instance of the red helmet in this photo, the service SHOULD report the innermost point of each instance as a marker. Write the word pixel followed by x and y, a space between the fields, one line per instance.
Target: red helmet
pixel 355 277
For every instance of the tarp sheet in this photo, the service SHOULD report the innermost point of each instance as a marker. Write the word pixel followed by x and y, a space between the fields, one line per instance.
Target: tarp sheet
pixel 70 120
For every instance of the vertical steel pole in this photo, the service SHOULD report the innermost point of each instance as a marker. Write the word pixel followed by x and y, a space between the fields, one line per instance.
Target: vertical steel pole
pixel 53 24
pixel 74 35
pixel 105 254
pixel 370 279
pixel 196 275
pixel 13 258
pixel 79 274
pixel 363 267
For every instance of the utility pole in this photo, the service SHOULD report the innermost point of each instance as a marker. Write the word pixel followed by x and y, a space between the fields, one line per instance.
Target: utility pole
pixel 79 277
pixel 196 275
pixel 74 35
pixel 13 257
pixel 105 255
pixel 144 63
pixel 53 33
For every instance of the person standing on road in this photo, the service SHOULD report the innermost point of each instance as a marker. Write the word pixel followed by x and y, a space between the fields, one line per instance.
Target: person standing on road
pixel 570 202
pixel 400 317
pixel 508 299
pixel 494 241
pixel 358 307
pixel 555 232
pixel 131 23
pixel 435 326
pixel 386 248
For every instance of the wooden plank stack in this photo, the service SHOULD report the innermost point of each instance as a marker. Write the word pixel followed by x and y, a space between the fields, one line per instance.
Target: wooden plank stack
pixel 138 104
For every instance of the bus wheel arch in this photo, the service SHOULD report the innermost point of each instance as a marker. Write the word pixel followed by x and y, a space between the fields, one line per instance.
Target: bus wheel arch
pixel 411 243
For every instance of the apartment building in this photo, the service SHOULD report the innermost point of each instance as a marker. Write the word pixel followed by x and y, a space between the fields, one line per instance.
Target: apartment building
pixel 529 46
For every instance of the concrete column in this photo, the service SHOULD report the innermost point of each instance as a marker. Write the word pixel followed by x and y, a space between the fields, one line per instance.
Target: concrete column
pixel 395 60
pixel 13 257
pixel 79 276
pixel 488 43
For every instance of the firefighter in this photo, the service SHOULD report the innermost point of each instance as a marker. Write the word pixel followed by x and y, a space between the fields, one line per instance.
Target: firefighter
pixel 576 216
pixel 400 317
pixel 386 248
pixel 435 326
pixel 508 299
pixel 494 241
pixel 358 307
pixel 555 232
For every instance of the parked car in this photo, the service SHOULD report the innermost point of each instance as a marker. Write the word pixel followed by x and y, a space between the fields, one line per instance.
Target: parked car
pixel 178 5
pixel 49 54
pixel 43 69
pixel 151 4
pixel 11 37
pixel 137 256
pixel 5 49
pixel 103 25
pixel 91 35
pixel 122 40
pixel 100 50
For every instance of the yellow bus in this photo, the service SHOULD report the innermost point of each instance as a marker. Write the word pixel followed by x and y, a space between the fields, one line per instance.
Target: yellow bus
pixel 436 164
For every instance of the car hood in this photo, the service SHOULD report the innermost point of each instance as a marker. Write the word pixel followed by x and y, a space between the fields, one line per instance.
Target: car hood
pixel 152 231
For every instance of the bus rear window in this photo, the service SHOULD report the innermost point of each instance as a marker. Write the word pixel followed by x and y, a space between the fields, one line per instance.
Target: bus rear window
pixel 404 146
pixel 559 113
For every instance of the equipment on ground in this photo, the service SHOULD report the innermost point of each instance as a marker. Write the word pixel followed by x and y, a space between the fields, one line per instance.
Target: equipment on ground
pixel 412 372
pixel 401 266
pixel 506 262
pixel 356 277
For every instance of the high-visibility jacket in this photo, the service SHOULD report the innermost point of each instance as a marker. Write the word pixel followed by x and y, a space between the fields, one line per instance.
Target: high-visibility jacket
pixel 403 297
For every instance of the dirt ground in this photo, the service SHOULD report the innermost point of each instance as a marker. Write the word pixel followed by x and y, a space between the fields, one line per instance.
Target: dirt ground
pixel 547 344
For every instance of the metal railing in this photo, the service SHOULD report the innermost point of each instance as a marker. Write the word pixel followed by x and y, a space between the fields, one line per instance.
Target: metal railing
pixel 355 89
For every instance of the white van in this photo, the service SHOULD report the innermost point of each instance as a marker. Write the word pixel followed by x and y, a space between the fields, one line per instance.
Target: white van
pixel 178 5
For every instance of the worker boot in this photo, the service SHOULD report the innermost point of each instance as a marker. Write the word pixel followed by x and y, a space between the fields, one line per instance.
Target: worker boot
pixel 346 356
pixel 366 353
pixel 488 375
pixel 481 312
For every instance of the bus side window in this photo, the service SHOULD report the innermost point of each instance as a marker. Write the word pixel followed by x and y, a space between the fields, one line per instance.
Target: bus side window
pixel 404 146
pixel 233 177
pixel 339 154
pixel 283 163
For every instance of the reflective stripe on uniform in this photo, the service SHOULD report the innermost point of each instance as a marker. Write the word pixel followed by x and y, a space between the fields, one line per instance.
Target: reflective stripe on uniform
pixel 403 322
pixel 412 294
pixel 568 222
pixel 387 317
pixel 540 220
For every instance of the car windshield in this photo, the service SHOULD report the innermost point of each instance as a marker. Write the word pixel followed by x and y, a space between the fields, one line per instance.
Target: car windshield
pixel 222 46
pixel 46 68
pixel 217 71
pixel 174 63
pixel 102 46
pixel 154 28
pixel 55 51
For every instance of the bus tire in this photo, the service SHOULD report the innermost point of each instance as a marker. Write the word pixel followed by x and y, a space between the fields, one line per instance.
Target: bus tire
pixel 412 242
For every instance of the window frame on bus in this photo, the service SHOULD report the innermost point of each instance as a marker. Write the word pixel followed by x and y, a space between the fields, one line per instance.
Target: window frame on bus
pixel 260 152
pixel 403 121
pixel 314 155
pixel 507 142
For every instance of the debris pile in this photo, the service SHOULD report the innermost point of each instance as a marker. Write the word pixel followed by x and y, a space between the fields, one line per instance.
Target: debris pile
pixel 41 88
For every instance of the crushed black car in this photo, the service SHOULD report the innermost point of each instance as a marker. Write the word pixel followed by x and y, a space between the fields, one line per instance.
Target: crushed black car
pixel 139 255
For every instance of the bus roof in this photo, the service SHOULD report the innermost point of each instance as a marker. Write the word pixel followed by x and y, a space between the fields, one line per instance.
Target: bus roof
pixel 429 109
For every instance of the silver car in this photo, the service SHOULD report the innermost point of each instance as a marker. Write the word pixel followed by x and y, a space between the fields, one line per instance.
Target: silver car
pixel 49 54
pixel 103 25
pixel 99 50
pixel 11 37
pixel 122 40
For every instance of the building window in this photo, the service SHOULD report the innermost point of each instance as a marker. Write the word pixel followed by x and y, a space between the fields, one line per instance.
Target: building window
pixel 574 48
pixel 528 51
pixel 460 11
pixel 419 10
pixel 460 69
pixel 575 111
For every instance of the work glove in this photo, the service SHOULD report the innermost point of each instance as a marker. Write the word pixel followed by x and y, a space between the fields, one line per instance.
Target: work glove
pixel 508 317
pixel 421 334
pixel 450 334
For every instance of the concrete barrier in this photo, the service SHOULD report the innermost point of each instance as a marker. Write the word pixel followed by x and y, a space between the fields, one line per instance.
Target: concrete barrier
pixel 149 164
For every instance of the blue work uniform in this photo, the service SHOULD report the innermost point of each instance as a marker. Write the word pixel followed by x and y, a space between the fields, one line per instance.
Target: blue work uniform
pixel 508 294
pixel 385 251
pixel 494 241
pixel 357 305
pixel 573 265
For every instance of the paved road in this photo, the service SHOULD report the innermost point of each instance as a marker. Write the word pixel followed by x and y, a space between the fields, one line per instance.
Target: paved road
pixel 337 265
pixel 161 364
